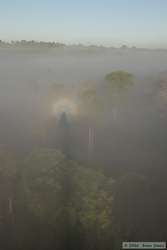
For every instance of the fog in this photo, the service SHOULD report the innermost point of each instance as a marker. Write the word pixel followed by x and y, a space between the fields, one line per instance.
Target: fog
pixel 82 147
pixel 130 132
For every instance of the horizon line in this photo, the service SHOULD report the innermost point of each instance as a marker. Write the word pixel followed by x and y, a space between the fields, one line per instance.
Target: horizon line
pixel 88 44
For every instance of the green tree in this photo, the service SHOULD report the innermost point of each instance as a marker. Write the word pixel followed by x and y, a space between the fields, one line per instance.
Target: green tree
pixel 132 212
pixel 73 200
pixel 119 79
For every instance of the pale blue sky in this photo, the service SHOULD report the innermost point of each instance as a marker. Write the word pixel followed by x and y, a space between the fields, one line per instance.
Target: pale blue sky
pixel 133 22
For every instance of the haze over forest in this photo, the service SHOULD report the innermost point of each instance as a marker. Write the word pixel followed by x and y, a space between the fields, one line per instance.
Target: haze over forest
pixel 82 146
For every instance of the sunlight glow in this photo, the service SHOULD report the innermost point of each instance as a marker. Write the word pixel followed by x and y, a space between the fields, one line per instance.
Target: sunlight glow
pixel 64 105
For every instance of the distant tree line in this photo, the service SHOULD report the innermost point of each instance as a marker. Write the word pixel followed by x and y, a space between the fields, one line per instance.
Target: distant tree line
pixel 54 44
pixel 32 43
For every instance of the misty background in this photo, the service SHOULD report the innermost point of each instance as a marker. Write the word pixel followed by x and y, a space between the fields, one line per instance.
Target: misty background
pixel 29 75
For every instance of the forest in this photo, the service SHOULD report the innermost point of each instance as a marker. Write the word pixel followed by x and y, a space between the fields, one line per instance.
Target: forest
pixel 82 147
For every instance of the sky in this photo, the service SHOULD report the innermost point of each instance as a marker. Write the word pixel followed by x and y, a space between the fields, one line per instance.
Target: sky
pixel 141 23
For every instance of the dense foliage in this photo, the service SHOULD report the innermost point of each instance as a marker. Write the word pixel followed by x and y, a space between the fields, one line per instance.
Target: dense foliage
pixel 51 202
